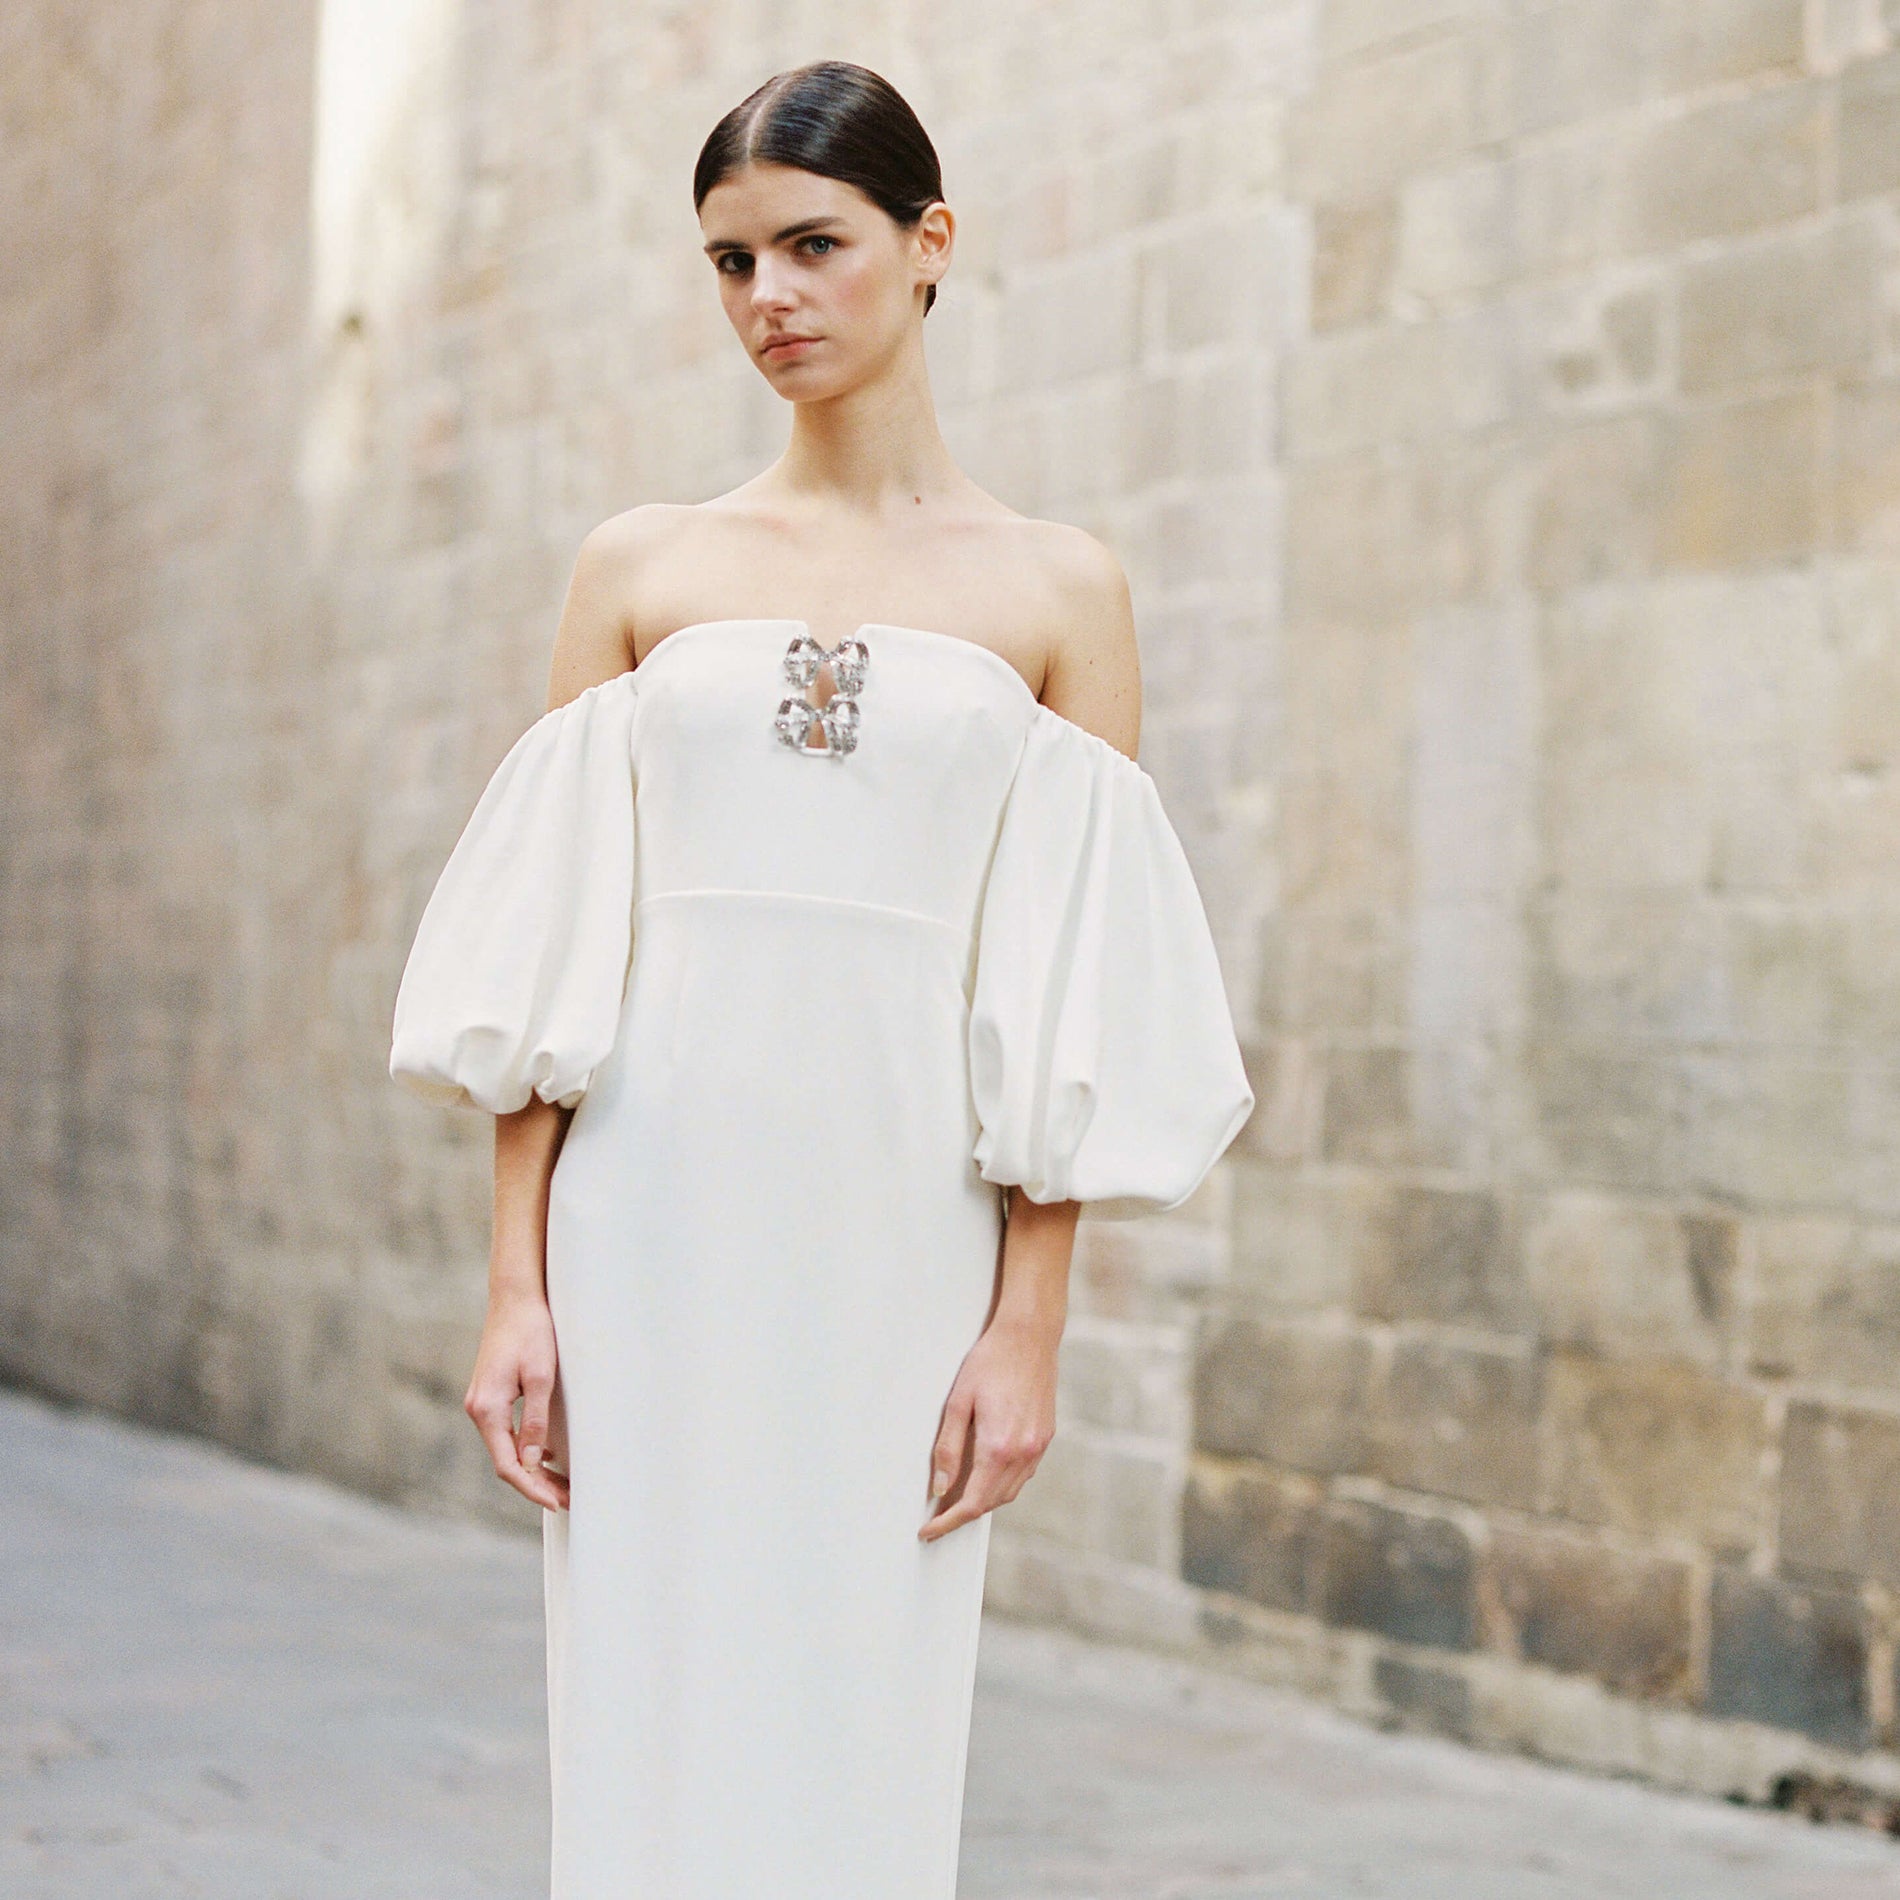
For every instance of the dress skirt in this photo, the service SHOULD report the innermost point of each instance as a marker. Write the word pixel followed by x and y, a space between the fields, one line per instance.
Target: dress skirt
pixel 764 1275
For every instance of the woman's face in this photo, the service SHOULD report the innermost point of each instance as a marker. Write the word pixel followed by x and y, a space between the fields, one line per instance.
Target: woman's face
pixel 819 283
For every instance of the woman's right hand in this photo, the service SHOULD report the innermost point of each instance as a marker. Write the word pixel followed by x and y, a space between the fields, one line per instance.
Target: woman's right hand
pixel 517 1360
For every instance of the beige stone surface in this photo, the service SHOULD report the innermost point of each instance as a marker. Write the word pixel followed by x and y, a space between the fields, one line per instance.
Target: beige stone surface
pixel 1497 409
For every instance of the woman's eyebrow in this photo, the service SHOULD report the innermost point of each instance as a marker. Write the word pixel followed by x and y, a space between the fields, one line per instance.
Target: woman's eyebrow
pixel 778 237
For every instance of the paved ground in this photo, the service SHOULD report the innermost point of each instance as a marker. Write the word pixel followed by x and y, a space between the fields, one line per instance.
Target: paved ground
pixel 223 1682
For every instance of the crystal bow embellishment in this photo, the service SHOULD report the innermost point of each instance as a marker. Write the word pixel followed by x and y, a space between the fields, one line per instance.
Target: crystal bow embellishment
pixel 837 719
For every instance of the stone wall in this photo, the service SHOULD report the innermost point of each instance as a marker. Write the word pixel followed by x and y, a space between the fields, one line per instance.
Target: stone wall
pixel 1497 407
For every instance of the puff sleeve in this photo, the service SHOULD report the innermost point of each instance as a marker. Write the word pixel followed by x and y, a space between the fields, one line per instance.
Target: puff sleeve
pixel 1103 1062
pixel 514 982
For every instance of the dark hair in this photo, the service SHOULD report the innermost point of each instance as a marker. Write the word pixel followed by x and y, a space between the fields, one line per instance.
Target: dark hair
pixel 836 120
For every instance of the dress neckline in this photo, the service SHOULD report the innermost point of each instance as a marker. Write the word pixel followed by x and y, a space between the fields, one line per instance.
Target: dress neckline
pixel 866 627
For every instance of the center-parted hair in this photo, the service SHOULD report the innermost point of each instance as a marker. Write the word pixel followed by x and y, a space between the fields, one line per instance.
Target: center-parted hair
pixel 838 121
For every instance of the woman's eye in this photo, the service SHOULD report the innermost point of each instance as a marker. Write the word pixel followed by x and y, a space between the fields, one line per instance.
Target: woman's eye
pixel 734 262
pixel 818 237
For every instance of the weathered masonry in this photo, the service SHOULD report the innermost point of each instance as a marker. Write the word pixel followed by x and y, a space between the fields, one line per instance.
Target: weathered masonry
pixel 1497 407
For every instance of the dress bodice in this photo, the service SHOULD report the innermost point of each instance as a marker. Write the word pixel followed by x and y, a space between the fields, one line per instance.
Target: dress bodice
pixel 905 821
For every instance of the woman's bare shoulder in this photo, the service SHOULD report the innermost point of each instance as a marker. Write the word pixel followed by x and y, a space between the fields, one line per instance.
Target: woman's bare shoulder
pixel 1092 664
pixel 636 536
pixel 614 570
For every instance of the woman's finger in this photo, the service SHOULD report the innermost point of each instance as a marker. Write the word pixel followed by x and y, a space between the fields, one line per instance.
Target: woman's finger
pixel 981 1492
pixel 946 1458
pixel 494 1419
pixel 531 1440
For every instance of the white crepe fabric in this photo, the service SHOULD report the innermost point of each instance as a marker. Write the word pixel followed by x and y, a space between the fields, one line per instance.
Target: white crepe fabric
pixel 813 1013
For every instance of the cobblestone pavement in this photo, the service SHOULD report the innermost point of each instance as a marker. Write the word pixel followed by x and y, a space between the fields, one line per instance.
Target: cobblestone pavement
pixel 221 1681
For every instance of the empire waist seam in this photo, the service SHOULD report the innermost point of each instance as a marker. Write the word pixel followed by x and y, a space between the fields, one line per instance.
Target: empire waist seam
pixel 717 893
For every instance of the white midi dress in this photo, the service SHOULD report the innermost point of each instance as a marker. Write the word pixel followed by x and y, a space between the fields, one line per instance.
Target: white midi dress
pixel 818 989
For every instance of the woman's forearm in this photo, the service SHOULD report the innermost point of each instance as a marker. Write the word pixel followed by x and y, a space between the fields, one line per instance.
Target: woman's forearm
pixel 527 1144
pixel 1001 1412
pixel 1038 1244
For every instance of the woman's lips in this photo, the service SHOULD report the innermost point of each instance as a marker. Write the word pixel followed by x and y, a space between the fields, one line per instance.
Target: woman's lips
pixel 789 345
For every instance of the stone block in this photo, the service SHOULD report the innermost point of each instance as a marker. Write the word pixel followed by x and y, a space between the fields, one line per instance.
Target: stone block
pixel 1742 485
pixel 1348 707
pixel 1583 1607
pixel 1475 719
pixel 1367 1117
pixel 1451 237
pixel 1840 31
pixel 1135 1516
pixel 1291 1392
pixel 1629 1280
pixel 1397 1573
pixel 1648 681
pixel 1598 341
pixel 1354 244
pixel 1195 420
pixel 1371 539
pixel 1869 161
pixel 1629 953
pixel 1288 1078
pixel 1235 151
pixel 1342 967
pixel 1125 189
pixel 1717 42
pixel 1733 165
pixel 1866 470
pixel 1765 1125
pixel 1252 1534
pixel 1790 974
pixel 1124 1377
pixel 1809 1309
pixel 1578 59
pixel 1874 1126
pixel 1368 123
pixel 1446 1254
pixel 1852 836
pixel 1860 619
pixel 1802 302
pixel 1840 1474
pixel 1297 1243
pixel 1656 1450
pixel 1459 1098
pixel 1059 1499
pixel 1563 194
pixel 1395 384
pixel 1073 316
pixel 1354 26
pixel 1596 489
pixel 1459 1421
pixel 1712 1242
pixel 1467 991
pixel 1790 1657
pixel 1259 286
pixel 1433 1701
pixel 1344 835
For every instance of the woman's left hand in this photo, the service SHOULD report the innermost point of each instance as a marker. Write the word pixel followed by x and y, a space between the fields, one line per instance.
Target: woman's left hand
pixel 997 1423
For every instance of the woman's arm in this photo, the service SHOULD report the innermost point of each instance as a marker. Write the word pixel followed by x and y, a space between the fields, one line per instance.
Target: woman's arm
pixel 517 1361
pixel 1001 1412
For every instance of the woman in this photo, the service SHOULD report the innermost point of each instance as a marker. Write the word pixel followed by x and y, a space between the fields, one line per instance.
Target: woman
pixel 815 971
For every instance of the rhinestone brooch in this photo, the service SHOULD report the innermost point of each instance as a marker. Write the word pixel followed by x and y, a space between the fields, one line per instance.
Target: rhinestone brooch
pixel 837 719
